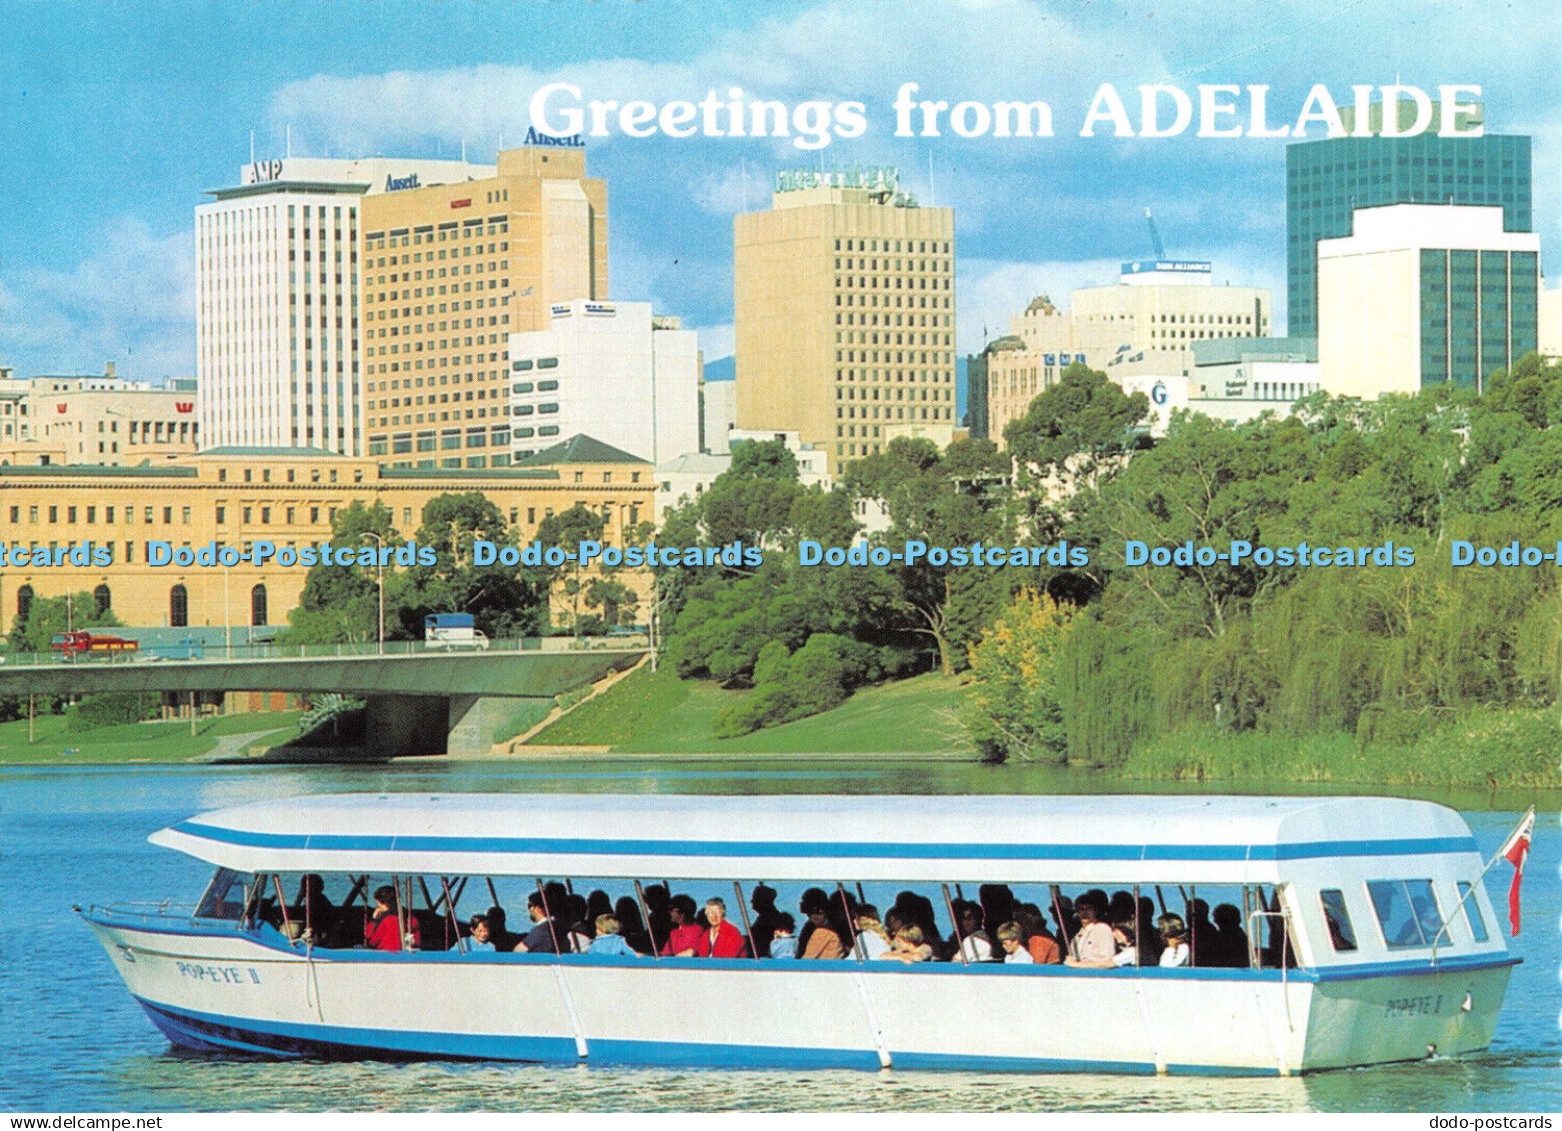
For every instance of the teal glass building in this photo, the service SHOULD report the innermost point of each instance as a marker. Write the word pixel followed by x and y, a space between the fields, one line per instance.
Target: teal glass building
pixel 1328 178
pixel 1478 312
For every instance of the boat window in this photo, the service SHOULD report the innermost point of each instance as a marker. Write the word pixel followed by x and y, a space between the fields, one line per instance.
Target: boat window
pixel 224 898
pixel 1407 911
pixel 1341 934
pixel 1472 912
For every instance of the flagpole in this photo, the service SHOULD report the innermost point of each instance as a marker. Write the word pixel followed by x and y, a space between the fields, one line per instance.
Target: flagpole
pixel 1500 854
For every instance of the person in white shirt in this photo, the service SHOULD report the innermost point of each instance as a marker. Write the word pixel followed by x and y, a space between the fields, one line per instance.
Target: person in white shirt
pixel 1013 945
pixel 1174 933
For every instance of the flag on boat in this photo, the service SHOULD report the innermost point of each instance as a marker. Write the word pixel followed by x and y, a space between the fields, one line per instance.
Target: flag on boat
pixel 1515 850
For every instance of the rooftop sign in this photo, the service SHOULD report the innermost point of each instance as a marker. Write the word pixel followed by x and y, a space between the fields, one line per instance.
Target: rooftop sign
pixel 885 178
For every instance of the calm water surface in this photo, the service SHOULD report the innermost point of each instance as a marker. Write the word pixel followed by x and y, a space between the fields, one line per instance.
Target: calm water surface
pixel 72 1039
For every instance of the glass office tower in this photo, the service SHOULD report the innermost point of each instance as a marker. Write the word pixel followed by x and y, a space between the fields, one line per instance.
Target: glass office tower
pixel 1327 179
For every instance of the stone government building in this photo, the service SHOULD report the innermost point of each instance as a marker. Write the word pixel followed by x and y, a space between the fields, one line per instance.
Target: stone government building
pixel 238 496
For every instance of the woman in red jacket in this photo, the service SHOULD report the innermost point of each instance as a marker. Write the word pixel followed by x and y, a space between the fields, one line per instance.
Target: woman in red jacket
pixel 383 931
pixel 722 939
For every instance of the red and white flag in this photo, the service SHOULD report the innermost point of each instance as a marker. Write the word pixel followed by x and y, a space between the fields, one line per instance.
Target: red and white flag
pixel 1515 850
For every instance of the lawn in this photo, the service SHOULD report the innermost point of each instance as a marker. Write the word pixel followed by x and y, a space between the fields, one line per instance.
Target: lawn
pixel 660 714
pixel 134 742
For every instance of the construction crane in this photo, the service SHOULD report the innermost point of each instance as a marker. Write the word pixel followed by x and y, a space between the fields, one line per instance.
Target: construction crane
pixel 1155 237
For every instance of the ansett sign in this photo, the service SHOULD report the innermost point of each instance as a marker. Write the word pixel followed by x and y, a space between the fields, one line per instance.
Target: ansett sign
pixel 573 141
pixel 396 184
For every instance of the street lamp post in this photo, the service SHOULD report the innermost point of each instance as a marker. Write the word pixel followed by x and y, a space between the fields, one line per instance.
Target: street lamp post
pixel 379 580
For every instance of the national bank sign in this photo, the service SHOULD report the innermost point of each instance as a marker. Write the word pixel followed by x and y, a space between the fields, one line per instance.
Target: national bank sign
pixel 883 178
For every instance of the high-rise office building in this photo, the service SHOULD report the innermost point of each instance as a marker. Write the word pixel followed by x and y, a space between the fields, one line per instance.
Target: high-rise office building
pixel 450 272
pixel 278 299
pixel 1328 179
pixel 844 311
pixel 611 371
pixel 1424 294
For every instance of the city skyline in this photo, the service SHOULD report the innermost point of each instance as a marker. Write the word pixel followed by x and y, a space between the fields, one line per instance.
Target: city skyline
pixel 118 123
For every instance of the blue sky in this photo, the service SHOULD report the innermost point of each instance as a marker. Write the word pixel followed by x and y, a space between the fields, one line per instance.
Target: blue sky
pixel 115 117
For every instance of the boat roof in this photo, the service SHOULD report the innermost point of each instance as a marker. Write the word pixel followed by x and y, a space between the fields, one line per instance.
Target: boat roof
pixel 1010 838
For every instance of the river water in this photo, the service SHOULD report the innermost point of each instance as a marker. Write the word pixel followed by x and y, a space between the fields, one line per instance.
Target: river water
pixel 73 1040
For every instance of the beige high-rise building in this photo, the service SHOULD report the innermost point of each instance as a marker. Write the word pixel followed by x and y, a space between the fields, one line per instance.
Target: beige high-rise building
pixel 844 310
pixel 1143 326
pixel 450 271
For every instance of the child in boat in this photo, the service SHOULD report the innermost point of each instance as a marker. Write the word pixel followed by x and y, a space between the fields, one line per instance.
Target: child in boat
pixel 908 946
pixel 609 940
pixel 1013 945
pixel 1174 933
pixel 480 938
pixel 782 943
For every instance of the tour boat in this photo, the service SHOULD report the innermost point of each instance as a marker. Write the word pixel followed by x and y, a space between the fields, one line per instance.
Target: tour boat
pixel 1369 937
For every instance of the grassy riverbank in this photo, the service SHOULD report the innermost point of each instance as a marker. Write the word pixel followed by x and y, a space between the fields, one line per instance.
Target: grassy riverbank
pixel 158 742
pixel 661 714
pixel 1483 749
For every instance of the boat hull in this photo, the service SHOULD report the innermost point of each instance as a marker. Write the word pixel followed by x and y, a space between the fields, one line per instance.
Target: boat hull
pixel 213 987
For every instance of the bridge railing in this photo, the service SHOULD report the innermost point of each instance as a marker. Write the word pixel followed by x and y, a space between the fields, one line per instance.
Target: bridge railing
pixel 239 653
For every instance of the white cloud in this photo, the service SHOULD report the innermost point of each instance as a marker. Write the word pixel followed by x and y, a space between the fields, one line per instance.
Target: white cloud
pixel 132 301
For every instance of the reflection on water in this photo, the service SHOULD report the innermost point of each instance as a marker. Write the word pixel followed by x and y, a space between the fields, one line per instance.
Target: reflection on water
pixel 74 1040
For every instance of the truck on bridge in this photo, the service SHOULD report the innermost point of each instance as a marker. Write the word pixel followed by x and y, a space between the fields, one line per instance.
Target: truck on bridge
pixel 453 630
pixel 73 644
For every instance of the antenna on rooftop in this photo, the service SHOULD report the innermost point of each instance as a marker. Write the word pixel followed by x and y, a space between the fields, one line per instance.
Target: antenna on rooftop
pixel 290 139
pixel 1155 236
pixel 252 147
pixel 932 195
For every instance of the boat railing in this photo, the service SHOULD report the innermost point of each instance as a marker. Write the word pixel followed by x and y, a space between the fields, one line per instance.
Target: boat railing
pixel 159 911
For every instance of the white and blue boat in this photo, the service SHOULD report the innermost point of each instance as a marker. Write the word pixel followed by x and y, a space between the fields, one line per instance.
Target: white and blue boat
pixel 1370 938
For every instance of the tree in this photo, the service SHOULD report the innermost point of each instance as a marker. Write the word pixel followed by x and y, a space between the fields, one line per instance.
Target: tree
pixel 502 602
pixel 1078 428
pixel 566 530
pixel 1011 703
pixel 47 616
pixel 955 498
pixel 340 603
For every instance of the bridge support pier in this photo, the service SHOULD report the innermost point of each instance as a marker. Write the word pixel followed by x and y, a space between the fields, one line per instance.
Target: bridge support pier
pixel 405 725
pixel 462 726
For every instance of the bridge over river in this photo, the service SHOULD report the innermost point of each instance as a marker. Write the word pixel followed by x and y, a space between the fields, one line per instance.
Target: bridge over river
pixel 419 700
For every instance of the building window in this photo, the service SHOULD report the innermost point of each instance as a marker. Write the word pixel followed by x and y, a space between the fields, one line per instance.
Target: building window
pixel 257 605
pixel 178 607
pixel 24 602
pixel 102 599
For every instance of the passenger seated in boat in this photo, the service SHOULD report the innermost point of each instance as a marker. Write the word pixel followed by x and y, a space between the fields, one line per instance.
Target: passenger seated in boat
pixel 1174 936
pixel 782 942
pixel 685 933
pixel 1092 946
pixel 659 921
pixel 627 912
pixel 975 946
pixel 481 938
pixel 918 911
pixel 766 915
pixel 819 939
pixel 1229 946
pixel 1201 935
pixel 872 938
pixel 1013 945
pixel 1149 938
pixel 609 940
pixel 909 945
pixel 503 938
pixel 543 938
pixel 1042 947
pixel 577 913
pixel 1124 934
pixel 317 913
pixel 384 930
pixel 721 939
